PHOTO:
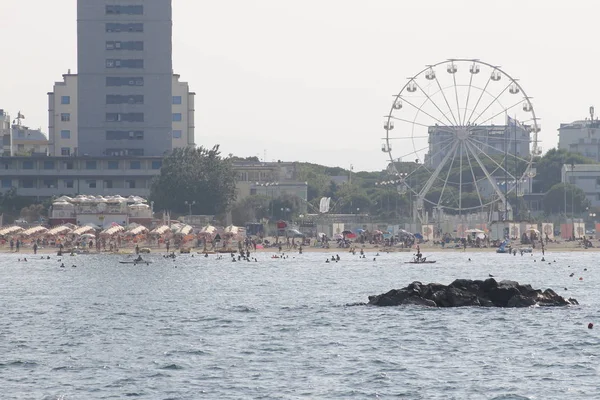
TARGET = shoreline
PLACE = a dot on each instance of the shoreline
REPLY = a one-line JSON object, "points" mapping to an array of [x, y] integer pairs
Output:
{"points": [[425, 248]]}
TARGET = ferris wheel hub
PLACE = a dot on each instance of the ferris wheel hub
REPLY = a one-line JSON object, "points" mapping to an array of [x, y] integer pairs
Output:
{"points": [[462, 133]]}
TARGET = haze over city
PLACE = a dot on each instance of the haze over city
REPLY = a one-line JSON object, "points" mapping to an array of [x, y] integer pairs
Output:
{"points": [[311, 82]]}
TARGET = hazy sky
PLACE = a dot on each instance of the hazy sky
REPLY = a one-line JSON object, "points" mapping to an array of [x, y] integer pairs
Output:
{"points": [[312, 80]]}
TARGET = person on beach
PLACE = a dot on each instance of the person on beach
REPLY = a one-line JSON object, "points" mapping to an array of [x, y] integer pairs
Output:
{"points": [[35, 248]]}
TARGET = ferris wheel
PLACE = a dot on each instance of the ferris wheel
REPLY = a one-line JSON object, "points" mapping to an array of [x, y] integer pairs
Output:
{"points": [[461, 136]]}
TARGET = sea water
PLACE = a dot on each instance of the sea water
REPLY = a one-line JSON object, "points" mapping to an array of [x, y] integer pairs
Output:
{"points": [[203, 328]]}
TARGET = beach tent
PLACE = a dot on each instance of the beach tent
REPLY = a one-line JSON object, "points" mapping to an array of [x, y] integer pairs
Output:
{"points": [[10, 230], [113, 230], [59, 230], [82, 230], [36, 230]]}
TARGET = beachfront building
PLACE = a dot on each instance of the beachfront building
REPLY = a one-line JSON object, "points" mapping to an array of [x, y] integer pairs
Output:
{"points": [[270, 179], [20, 140], [63, 117], [44, 177], [581, 137], [5, 133], [587, 178], [100, 211]]}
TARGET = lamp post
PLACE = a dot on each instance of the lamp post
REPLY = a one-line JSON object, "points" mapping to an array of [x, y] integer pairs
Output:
{"points": [[190, 204]]}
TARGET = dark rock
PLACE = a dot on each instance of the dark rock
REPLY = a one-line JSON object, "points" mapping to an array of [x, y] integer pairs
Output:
{"points": [[419, 301], [520, 301], [466, 292]]}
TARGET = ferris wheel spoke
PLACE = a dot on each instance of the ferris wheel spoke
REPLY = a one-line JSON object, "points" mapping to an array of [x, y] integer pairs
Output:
{"points": [[446, 100], [435, 173], [473, 174], [479, 99], [447, 179], [491, 103], [435, 105], [492, 147], [419, 109], [460, 177], [488, 176], [467, 102], [448, 142], [457, 103], [497, 164], [494, 116], [408, 122]]}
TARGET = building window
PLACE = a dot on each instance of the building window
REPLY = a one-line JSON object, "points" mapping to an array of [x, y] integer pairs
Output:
{"points": [[131, 27], [65, 134], [126, 63], [50, 183], [176, 134], [90, 165], [128, 10], [130, 45], [124, 135], [108, 184], [124, 81], [124, 99], [65, 117], [156, 164], [125, 117], [176, 117], [6, 183], [65, 100], [27, 183], [135, 165], [130, 184], [124, 152], [113, 165], [65, 151], [48, 164], [69, 183], [176, 99], [27, 164], [69, 165], [91, 184]]}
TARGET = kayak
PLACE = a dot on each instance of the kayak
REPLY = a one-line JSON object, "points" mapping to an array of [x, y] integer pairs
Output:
{"points": [[135, 262], [420, 262]]}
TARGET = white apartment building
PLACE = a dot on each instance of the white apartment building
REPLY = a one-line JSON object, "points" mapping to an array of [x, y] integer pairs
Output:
{"points": [[586, 177], [5, 133], [581, 137], [63, 117]]}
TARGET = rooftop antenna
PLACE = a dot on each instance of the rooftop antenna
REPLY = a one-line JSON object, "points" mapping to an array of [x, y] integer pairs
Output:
{"points": [[591, 113], [591, 126]]}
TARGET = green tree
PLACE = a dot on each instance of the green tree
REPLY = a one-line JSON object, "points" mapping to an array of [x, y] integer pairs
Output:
{"points": [[554, 199], [549, 168], [250, 209], [195, 174]]}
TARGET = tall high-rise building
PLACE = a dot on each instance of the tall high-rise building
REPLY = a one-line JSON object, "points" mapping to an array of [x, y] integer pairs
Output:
{"points": [[125, 77]]}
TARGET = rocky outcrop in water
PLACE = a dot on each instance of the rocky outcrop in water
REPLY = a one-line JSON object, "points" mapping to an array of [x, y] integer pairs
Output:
{"points": [[466, 292]]}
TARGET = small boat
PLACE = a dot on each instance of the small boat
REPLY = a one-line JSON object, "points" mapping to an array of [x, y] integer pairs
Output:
{"points": [[136, 262], [420, 262]]}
